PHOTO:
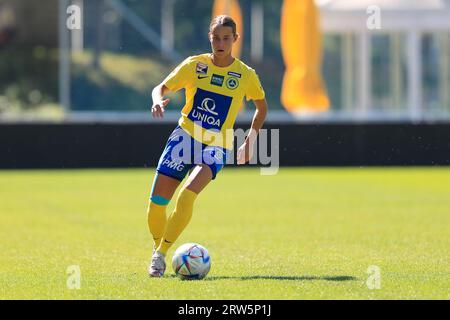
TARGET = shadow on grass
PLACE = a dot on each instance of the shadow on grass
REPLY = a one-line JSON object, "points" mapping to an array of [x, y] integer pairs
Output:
{"points": [[290, 278], [284, 278]]}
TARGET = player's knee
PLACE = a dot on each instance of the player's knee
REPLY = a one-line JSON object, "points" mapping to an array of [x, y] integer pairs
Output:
{"points": [[159, 200], [186, 198]]}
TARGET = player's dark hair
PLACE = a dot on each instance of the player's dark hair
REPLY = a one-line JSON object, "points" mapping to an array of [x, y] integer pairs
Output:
{"points": [[224, 21]]}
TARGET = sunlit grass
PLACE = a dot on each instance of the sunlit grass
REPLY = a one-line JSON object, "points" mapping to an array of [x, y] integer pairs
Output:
{"points": [[301, 234]]}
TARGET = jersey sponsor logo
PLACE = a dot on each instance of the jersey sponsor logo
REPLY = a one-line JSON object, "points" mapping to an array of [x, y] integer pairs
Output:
{"points": [[210, 109], [201, 68], [217, 80], [232, 83], [202, 77], [234, 74], [208, 105]]}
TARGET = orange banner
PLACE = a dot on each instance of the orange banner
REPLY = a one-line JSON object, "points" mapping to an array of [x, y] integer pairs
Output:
{"points": [[301, 45]]}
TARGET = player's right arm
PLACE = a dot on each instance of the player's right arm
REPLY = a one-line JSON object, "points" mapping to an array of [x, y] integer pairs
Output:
{"points": [[159, 102], [176, 80]]}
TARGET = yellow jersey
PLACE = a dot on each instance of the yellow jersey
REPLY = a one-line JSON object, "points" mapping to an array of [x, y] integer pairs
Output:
{"points": [[213, 97]]}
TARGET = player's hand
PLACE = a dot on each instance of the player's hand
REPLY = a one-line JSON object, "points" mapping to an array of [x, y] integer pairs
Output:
{"points": [[245, 153], [158, 108]]}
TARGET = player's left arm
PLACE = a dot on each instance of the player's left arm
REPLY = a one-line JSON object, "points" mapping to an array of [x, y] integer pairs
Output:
{"points": [[245, 152]]}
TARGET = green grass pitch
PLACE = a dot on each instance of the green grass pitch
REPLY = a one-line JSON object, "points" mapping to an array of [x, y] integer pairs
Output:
{"points": [[305, 233]]}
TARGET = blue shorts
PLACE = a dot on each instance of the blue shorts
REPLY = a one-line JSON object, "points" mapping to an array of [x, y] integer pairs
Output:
{"points": [[182, 153]]}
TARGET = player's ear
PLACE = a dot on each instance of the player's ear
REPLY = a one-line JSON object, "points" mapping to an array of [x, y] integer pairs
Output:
{"points": [[209, 36], [236, 37]]}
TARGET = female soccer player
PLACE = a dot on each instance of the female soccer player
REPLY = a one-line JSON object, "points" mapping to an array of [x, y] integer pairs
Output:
{"points": [[215, 86]]}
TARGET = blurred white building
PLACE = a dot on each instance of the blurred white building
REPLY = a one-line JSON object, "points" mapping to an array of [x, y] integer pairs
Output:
{"points": [[387, 59]]}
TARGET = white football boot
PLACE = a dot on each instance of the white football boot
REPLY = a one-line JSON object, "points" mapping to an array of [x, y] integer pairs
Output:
{"points": [[158, 265]]}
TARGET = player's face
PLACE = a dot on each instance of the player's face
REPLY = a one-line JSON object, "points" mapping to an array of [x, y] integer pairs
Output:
{"points": [[222, 40]]}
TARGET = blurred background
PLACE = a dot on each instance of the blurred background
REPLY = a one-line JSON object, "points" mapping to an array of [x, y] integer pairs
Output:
{"points": [[348, 82], [398, 70]]}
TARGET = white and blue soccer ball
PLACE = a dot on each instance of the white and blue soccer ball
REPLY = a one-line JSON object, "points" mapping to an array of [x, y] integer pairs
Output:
{"points": [[191, 261]]}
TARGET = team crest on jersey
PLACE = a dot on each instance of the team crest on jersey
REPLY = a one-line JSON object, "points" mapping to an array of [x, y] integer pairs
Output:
{"points": [[201, 68], [232, 83]]}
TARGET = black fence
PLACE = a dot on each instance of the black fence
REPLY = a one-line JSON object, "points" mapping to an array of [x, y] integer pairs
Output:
{"points": [[140, 145]]}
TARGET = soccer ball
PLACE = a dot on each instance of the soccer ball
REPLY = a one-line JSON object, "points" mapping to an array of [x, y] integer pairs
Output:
{"points": [[191, 261]]}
